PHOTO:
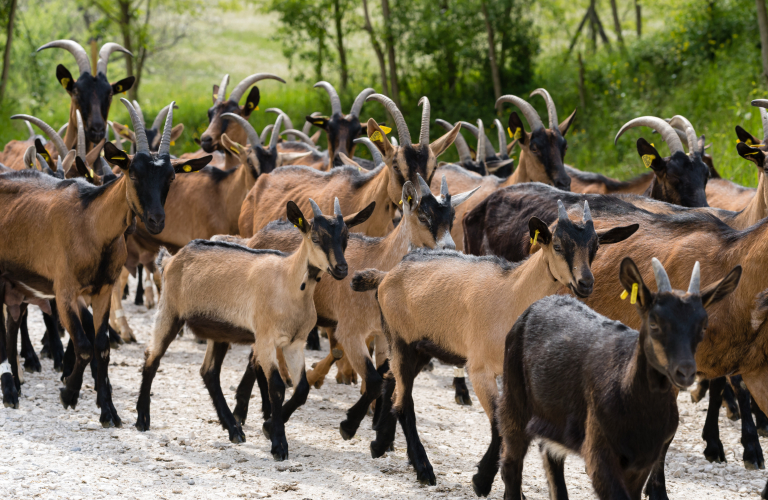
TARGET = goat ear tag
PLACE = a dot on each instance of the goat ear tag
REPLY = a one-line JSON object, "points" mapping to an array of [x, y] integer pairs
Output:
{"points": [[250, 105], [64, 82], [535, 237], [236, 151], [748, 142], [119, 89], [384, 129], [173, 143], [624, 295], [648, 160], [301, 223], [118, 158], [376, 136], [633, 299], [517, 135], [187, 168]]}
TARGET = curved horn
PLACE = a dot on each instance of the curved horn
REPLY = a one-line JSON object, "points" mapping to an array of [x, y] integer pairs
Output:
{"points": [[290, 132], [423, 186], [286, 120], [375, 153], [29, 157], [52, 135], [62, 130], [75, 49], [80, 136], [480, 142], [43, 164], [250, 132], [265, 132], [357, 106], [662, 280], [139, 112], [118, 139], [106, 51], [762, 104], [160, 118], [530, 114], [246, 82], [30, 130], [424, 130], [444, 188], [587, 213], [562, 215], [502, 137], [551, 109], [681, 122], [403, 133], [221, 94], [308, 126], [694, 288], [332, 95], [165, 142], [315, 209], [138, 127], [336, 208], [275, 132], [461, 144], [668, 134]]}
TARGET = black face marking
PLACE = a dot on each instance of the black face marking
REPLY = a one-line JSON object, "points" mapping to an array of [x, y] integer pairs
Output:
{"points": [[436, 216], [683, 181], [549, 149], [94, 97], [416, 162], [332, 236], [267, 159], [151, 176], [341, 134], [571, 237]]}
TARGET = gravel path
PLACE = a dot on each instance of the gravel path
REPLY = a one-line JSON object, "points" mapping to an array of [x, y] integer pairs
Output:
{"points": [[57, 453]]}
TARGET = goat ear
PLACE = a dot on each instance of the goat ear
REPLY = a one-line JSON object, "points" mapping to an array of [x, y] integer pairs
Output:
{"points": [[296, 217], [379, 138], [440, 145], [67, 161], [563, 127], [348, 161], [116, 156], [93, 155], [753, 154], [65, 78], [123, 85], [629, 275], [410, 198], [617, 234], [716, 292], [651, 158], [544, 236], [176, 132], [316, 136], [746, 137], [81, 168], [40, 149], [252, 102], [318, 121], [124, 131], [215, 93], [516, 130], [191, 165], [361, 216], [233, 147]]}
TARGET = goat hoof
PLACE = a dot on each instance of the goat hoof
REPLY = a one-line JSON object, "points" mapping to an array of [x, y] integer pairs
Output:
{"points": [[753, 459], [428, 367], [426, 477], [280, 455], [346, 432], [377, 450], [10, 393], [463, 400], [717, 455], [32, 364], [482, 488], [266, 428], [319, 384], [762, 431], [107, 424], [68, 398], [142, 421], [239, 418], [237, 437]]}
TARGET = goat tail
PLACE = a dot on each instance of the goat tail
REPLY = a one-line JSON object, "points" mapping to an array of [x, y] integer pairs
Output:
{"points": [[162, 259], [367, 279]]}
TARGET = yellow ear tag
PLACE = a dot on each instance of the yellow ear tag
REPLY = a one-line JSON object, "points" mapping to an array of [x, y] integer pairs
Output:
{"points": [[216, 96], [119, 89], [648, 160], [376, 136], [748, 142], [624, 295], [409, 199], [509, 131], [173, 143], [633, 299], [301, 222], [90, 171], [118, 158], [187, 168], [250, 105], [359, 169], [384, 129], [535, 237], [752, 153], [64, 82], [518, 133], [401, 202], [256, 108], [237, 152]]}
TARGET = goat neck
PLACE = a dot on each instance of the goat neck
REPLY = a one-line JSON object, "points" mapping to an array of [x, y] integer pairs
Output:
{"points": [[113, 214]]}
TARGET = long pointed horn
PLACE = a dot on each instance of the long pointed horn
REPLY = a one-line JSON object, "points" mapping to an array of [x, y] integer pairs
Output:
{"points": [[694, 288], [80, 136], [142, 146], [461, 144], [118, 139], [246, 83], [668, 134], [424, 130], [587, 213], [292, 132], [286, 120], [43, 164], [77, 50], [49, 132], [762, 104], [275, 132], [315, 209], [165, 142], [502, 137], [332, 95], [681, 122], [139, 112], [265, 132], [250, 132], [30, 130], [62, 129], [551, 109], [29, 157], [402, 128], [160, 118], [423, 186], [106, 50], [562, 215], [375, 153], [474, 130], [481, 153], [221, 94], [662, 280], [336, 207], [308, 126], [530, 114], [357, 106], [444, 188]]}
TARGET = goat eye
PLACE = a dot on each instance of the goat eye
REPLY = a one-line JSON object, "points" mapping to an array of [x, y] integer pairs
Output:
{"points": [[558, 248], [534, 149]]}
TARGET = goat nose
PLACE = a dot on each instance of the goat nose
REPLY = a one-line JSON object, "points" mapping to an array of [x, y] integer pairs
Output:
{"points": [[685, 373], [586, 282], [341, 270], [155, 222]]}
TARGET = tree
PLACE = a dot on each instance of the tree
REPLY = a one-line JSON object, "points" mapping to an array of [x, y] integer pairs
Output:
{"points": [[492, 52], [368, 27], [7, 51], [389, 41], [338, 14], [762, 23], [616, 22]]}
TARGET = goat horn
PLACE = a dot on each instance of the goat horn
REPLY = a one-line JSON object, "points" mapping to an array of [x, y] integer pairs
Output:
{"points": [[424, 130], [681, 122], [375, 153], [142, 146], [315, 209], [357, 106], [476, 132], [80, 136], [444, 187], [106, 51], [165, 142], [404, 135], [62, 129], [336, 208], [587, 213], [530, 114], [250, 132], [139, 112], [43, 164], [52, 135], [104, 166], [276, 132], [265, 132], [694, 288], [286, 120], [308, 126], [762, 104], [481, 152], [551, 109], [246, 82], [562, 215], [502, 137], [461, 144], [221, 94], [668, 134], [30, 130], [160, 118], [662, 280], [77, 50], [292, 132], [29, 157], [332, 95], [118, 139], [423, 186]]}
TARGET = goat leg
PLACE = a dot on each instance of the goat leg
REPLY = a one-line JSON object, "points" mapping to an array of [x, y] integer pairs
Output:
{"points": [[313, 340], [211, 373], [83, 352], [52, 328], [266, 406], [386, 425], [274, 428], [603, 466], [100, 323], [753, 453], [656, 487], [374, 384], [761, 420], [316, 376], [244, 391], [729, 403], [10, 393], [86, 319], [31, 361], [514, 450], [12, 331], [139, 300], [489, 465], [711, 433], [460, 384]]}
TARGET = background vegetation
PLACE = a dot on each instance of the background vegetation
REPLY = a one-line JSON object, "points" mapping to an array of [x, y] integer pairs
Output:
{"points": [[699, 58]]}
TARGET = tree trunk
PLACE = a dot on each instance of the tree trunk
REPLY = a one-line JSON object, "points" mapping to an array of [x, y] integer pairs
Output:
{"points": [[492, 53], [125, 30], [504, 37], [319, 62], [390, 42], [638, 19], [377, 49], [7, 52], [141, 58], [616, 22], [337, 14], [762, 22], [582, 98]]}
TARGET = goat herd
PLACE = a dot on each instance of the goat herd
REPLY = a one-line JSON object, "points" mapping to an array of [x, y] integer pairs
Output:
{"points": [[505, 268]]}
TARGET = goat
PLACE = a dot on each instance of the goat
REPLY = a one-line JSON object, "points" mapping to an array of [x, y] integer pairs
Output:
{"points": [[210, 140], [458, 308], [91, 93], [588, 385], [153, 133], [356, 187], [90, 249], [204, 283]]}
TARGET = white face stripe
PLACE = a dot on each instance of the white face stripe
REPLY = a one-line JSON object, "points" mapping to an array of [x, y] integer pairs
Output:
{"points": [[446, 241]]}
